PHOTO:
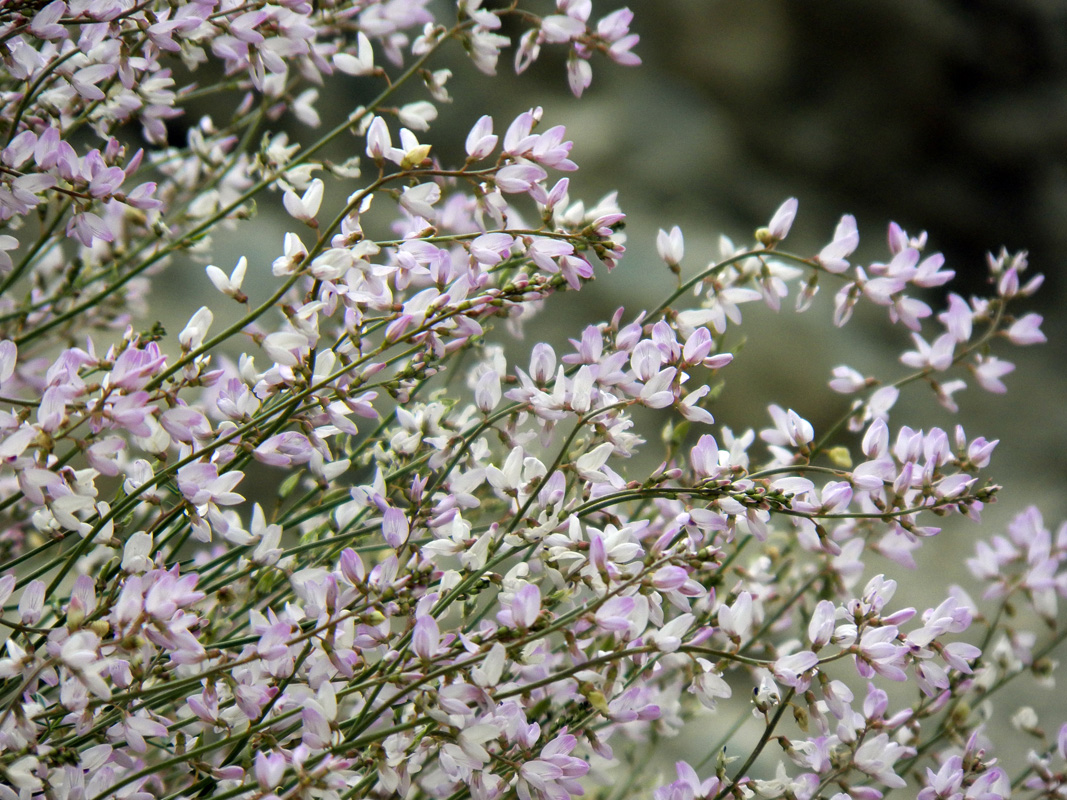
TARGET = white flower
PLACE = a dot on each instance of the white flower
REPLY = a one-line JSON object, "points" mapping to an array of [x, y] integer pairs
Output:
{"points": [[304, 108], [778, 228], [283, 347], [22, 774], [230, 285], [6, 243], [671, 246], [419, 200], [137, 554], [669, 638], [411, 152], [193, 334], [709, 686], [295, 252], [418, 116], [304, 208], [360, 64]]}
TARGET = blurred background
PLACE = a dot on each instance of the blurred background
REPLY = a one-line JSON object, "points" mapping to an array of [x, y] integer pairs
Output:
{"points": [[945, 116], [949, 117]]}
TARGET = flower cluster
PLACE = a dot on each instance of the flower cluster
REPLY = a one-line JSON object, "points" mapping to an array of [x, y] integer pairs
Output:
{"points": [[342, 547]]}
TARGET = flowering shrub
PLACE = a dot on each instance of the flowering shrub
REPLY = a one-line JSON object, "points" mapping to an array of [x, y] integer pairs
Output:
{"points": [[451, 583]]}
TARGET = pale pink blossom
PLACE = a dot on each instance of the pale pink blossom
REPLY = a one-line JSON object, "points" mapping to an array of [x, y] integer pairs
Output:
{"points": [[1027, 330], [989, 370], [780, 224], [671, 246]]}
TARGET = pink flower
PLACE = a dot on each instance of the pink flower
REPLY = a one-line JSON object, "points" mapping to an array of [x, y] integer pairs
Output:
{"points": [[877, 755], [988, 370], [200, 483], [688, 786], [551, 150], [395, 527], [523, 609], [518, 139], [878, 652], [185, 424], [269, 769], [518, 178], [558, 28], [284, 450], [847, 380], [426, 638], [135, 729], [615, 28], [790, 429], [821, 624], [554, 774], [1026, 330], [481, 141], [790, 669], [614, 614], [45, 23], [778, 228], [134, 367], [31, 604], [958, 318], [579, 73], [928, 273], [834, 256], [937, 356]]}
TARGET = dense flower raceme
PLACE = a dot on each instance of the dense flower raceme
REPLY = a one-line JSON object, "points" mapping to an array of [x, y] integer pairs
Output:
{"points": [[456, 586]]}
